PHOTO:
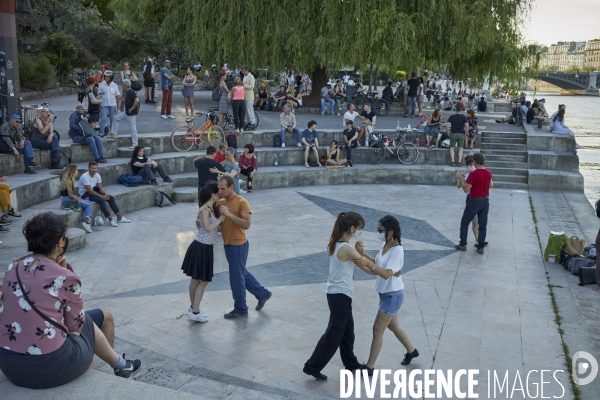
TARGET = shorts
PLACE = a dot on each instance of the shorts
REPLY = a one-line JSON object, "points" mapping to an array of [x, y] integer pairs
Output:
{"points": [[390, 302], [457, 139]]}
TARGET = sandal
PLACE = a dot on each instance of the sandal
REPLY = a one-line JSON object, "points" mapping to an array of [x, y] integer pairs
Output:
{"points": [[13, 213]]}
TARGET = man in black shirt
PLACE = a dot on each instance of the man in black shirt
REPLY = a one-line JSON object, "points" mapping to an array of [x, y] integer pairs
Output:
{"points": [[411, 101], [204, 164], [457, 128], [388, 93], [369, 119], [131, 110]]}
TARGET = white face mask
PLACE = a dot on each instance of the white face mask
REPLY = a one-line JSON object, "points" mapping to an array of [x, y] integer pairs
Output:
{"points": [[356, 233], [381, 236], [471, 168]]}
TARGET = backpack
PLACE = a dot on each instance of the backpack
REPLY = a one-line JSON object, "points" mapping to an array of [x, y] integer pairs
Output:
{"points": [[161, 199], [590, 251], [587, 275], [130, 180], [64, 159], [577, 262], [232, 140], [277, 140], [216, 94], [136, 85]]}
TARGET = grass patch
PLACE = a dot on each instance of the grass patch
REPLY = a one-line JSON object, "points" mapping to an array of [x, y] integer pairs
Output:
{"points": [[557, 316]]}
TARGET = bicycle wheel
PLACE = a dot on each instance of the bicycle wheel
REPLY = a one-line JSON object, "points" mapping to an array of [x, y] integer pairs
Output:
{"points": [[182, 138], [375, 152], [358, 102], [215, 135], [257, 120], [408, 153], [381, 107]]}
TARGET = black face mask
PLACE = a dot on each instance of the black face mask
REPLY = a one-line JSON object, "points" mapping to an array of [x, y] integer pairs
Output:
{"points": [[65, 247]]}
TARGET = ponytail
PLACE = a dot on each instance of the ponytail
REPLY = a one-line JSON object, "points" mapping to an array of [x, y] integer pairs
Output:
{"points": [[343, 223]]}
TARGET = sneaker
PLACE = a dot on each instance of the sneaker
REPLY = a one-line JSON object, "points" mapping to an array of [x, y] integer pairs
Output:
{"points": [[317, 375], [5, 221], [154, 182], [282, 144], [113, 136], [34, 164], [87, 227], [4, 229], [164, 117], [99, 221], [234, 315], [29, 171], [197, 317], [113, 222], [100, 160], [190, 310], [130, 369], [261, 304], [170, 116], [480, 251], [409, 356], [168, 180], [366, 143], [124, 220], [242, 191], [299, 144], [241, 181], [461, 248]]}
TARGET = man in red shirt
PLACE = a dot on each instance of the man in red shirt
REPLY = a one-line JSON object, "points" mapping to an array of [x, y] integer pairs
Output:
{"points": [[478, 185]]}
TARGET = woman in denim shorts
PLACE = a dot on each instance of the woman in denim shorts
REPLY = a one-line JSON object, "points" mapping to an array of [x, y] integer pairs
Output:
{"points": [[391, 290]]}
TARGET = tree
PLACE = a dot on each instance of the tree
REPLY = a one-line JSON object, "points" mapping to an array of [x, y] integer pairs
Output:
{"points": [[476, 39], [65, 52]]}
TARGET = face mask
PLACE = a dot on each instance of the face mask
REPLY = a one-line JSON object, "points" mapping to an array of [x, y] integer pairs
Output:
{"points": [[471, 168], [381, 236], [356, 234], [141, 158]]}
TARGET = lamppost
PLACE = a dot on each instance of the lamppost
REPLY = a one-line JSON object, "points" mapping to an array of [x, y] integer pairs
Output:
{"points": [[10, 102]]}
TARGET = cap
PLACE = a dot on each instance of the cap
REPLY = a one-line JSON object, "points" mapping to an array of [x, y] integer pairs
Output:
{"points": [[167, 61], [262, 85], [80, 106], [348, 122], [16, 116]]}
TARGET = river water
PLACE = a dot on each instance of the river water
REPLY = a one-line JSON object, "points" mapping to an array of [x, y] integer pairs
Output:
{"points": [[583, 118]]}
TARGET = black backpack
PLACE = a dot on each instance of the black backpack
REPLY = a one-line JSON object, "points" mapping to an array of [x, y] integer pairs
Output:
{"points": [[276, 141], [136, 85], [216, 94], [161, 199], [64, 159], [232, 140]]}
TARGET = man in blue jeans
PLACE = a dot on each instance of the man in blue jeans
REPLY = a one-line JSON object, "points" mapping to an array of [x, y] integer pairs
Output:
{"points": [[411, 99], [325, 98], [13, 142], [477, 185], [237, 219], [76, 134]]}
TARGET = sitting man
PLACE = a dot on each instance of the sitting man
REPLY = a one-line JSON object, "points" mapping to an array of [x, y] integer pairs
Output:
{"points": [[43, 137], [534, 116], [369, 119], [76, 134], [280, 97], [146, 168], [90, 187], [325, 93], [388, 93], [13, 142], [351, 115], [310, 141], [288, 124]]}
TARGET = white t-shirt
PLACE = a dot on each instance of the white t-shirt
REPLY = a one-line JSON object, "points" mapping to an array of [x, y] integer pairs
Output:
{"points": [[109, 93], [346, 77], [350, 116], [394, 260], [86, 179]]}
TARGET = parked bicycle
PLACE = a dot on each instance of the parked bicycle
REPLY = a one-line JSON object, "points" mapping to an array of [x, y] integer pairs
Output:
{"points": [[407, 153], [378, 106], [213, 116], [184, 137]]}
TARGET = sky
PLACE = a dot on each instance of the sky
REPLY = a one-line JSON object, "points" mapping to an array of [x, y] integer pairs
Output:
{"points": [[554, 21]]}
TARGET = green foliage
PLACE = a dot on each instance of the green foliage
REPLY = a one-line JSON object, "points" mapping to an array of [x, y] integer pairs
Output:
{"points": [[400, 75], [65, 53], [35, 73]]}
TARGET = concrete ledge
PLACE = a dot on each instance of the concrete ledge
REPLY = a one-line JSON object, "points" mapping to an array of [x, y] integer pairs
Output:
{"points": [[552, 160], [544, 141], [555, 180], [97, 386]]}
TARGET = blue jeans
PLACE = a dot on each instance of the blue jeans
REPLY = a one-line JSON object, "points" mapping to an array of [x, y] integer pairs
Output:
{"points": [[331, 107], [43, 145], [349, 146], [479, 207], [86, 206], [94, 142], [390, 302], [533, 122], [411, 101], [284, 130], [240, 279], [27, 151], [111, 111], [102, 203]]}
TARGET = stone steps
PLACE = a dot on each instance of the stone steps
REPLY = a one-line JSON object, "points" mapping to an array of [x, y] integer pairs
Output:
{"points": [[497, 145], [505, 164], [126, 152], [510, 185], [510, 158], [503, 140], [508, 171], [510, 178], [507, 135]]}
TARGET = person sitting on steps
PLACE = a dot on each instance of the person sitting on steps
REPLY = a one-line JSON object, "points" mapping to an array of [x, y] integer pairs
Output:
{"points": [[146, 168], [76, 134], [67, 185], [287, 120], [6, 209], [333, 156], [43, 137], [310, 141], [13, 142], [90, 186]]}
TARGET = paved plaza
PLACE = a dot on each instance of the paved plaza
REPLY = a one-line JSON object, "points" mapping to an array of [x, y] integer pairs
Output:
{"points": [[461, 310]]}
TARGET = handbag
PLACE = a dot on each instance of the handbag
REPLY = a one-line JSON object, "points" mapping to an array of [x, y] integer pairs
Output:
{"points": [[575, 245], [33, 307], [70, 205], [86, 129]]}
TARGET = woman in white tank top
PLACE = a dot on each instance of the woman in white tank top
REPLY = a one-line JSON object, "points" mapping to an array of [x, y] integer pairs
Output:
{"points": [[340, 291]]}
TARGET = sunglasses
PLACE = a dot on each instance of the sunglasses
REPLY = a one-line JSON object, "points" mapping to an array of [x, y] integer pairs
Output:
{"points": [[380, 230]]}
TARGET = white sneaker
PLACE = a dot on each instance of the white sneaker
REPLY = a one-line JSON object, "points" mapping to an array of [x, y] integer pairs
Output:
{"points": [[124, 220], [201, 312], [242, 191], [164, 116], [99, 221], [282, 144], [87, 227], [299, 145], [113, 222], [170, 116], [241, 181], [197, 317]]}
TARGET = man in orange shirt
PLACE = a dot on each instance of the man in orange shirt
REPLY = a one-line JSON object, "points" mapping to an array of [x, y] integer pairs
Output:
{"points": [[238, 217]]}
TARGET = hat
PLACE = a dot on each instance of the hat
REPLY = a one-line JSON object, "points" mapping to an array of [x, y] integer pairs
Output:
{"points": [[348, 122], [167, 61], [80, 106], [262, 85], [16, 116]]}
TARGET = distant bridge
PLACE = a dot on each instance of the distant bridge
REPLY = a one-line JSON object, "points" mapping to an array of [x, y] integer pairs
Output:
{"points": [[568, 81]]}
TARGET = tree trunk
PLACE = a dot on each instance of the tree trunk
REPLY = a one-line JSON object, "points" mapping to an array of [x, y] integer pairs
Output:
{"points": [[376, 75], [319, 80], [370, 76]]}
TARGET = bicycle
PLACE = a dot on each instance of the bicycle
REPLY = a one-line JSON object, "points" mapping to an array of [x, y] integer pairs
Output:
{"points": [[185, 136], [213, 116], [378, 106], [407, 153]]}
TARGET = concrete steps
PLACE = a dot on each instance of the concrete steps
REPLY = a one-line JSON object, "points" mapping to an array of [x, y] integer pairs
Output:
{"points": [[503, 140], [499, 145], [504, 164], [126, 152], [508, 171], [506, 155]]}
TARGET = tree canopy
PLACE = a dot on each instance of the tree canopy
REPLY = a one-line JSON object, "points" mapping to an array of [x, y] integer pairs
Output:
{"points": [[476, 39]]}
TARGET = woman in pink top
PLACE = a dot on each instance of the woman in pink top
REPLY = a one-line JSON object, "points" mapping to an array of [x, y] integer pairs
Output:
{"points": [[46, 338], [238, 104], [248, 164]]}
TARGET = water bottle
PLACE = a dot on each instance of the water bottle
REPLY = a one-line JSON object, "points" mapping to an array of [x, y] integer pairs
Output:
{"points": [[398, 125], [275, 162]]}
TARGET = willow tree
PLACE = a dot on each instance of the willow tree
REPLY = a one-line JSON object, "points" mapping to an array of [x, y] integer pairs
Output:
{"points": [[473, 38]]}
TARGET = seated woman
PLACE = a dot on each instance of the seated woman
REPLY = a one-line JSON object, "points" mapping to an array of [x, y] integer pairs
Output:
{"points": [[248, 164], [533, 116], [431, 129], [333, 156], [557, 124], [294, 101], [280, 97], [232, 169], [67, 195], [146, 168], [447, 104], [5, 208], [49, 340], [262, 96]]}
